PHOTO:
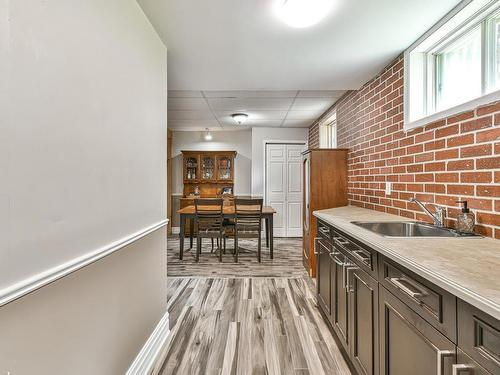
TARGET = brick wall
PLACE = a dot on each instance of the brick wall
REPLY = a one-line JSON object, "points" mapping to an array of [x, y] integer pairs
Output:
{"points": [[456, 158]]}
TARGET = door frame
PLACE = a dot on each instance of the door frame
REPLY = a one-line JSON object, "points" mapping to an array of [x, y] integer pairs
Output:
{"points": [[264, 159]]}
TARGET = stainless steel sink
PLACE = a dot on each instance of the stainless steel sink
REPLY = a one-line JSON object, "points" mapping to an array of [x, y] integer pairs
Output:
{"points": [[405, 229]]}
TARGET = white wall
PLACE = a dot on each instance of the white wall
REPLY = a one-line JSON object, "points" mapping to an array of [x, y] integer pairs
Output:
{"points": [[259, 135], [239, 141], [82, 164]]}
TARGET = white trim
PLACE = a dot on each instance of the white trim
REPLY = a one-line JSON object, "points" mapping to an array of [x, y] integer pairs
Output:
{"points": [[470, 105], [176, 230], [177, 194], [147, 358], [35, 282]]}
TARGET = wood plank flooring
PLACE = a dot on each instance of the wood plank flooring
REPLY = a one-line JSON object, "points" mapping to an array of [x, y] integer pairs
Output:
{"points": [[249, 325], [287, 260]]}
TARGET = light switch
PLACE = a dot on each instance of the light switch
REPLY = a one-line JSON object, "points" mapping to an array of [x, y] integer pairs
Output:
{"points": [[388, 188]]}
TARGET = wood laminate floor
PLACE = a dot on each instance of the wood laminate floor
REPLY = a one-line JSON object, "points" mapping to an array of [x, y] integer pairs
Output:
{"points": [[287, 260], [246, 318]]}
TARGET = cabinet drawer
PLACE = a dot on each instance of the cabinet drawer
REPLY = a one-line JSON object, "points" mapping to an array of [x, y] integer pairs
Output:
{"points": [[467, 366], [361, 255], [479, 336], [324, 231], [432, 303]]}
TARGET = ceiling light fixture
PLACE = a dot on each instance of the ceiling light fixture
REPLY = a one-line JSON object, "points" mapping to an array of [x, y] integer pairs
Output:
{"points": [[240, 118], [302, 13], [208, 135]]}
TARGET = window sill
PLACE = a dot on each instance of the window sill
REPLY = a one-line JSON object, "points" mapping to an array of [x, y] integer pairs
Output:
{"points": [[467, 106]]}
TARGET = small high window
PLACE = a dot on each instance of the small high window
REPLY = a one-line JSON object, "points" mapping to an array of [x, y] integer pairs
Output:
{"points": [[455, 66], [328, 132]]}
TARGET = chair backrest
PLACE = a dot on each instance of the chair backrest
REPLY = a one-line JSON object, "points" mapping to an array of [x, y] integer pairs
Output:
{"points": [[208, 213], [248, 212]]}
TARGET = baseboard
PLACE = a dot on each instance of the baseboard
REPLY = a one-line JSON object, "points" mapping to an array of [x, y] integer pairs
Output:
{"points": [[144, 363], [176, 230]]}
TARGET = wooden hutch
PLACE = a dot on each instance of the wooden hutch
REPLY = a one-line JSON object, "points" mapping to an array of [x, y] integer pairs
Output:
{"points": [[207, 174]]}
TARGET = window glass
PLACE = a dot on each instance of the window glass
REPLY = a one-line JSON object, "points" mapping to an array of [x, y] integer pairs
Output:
{"points": [[497, 53], [459, 71]]}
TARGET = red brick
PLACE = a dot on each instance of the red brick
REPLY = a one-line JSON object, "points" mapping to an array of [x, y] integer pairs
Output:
{"points": [[460, 140], [461, 117], [424, 177], [480, 123], [446, 200], [472, 151], [488, 219], [488, 191], [434, 145], [488, 135], [486, 110], [446, 154], [479, 204], [460, 189], [435, 188], [447, 177], [432, 167], [424, 137], [428, 156], [488, 163], [476, 177], [460, 165], [447, 131]]}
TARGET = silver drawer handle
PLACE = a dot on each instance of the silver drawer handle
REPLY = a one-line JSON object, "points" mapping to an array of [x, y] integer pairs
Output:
{"points": [[397, 282], [348, 283], [441, 354], [341, 241], [333, 257], [359, 254], [458, 369]]}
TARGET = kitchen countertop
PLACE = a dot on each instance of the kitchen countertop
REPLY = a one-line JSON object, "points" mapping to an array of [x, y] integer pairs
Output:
{"points": [[469, 268]]}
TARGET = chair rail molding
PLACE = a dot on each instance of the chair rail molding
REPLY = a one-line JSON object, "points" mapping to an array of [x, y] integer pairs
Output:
{"points": [[29, 285]]}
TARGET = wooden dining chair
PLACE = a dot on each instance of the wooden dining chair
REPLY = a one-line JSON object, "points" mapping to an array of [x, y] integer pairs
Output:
{"points": [[208, 218], [248, 222]]}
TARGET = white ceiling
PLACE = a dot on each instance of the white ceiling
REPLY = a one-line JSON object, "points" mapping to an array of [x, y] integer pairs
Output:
{"points": [[197, 110], [217, 46]]}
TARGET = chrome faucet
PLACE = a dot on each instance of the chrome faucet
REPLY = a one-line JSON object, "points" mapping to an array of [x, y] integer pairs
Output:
{"points": [[438, 217]]}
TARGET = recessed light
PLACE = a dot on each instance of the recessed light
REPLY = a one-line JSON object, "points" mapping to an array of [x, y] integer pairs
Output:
{"points": [[302, 13], [240, 118]]}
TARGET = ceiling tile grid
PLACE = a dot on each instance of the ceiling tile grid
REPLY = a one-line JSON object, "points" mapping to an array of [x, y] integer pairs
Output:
{"points": [[197, 110]]}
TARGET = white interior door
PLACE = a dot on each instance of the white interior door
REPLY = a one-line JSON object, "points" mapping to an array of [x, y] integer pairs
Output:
{"points": [[284, 187]]}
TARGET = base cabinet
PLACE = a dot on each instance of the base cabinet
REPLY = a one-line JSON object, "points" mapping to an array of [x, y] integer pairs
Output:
{"points": [[467, 366], [408, 344]]}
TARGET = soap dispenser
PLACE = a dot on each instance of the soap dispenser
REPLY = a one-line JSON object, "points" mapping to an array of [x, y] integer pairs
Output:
{"points": [[465, 219]]}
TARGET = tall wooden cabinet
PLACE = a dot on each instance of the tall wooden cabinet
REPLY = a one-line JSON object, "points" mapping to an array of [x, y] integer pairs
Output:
{"points": [[325, 186]]}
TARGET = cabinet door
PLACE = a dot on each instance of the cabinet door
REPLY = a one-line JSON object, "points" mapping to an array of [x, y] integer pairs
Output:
{"points": [[340, 306], [225, 168], [323, 276], [191, 168], [207, 167], [363, 310], [408, 344]]}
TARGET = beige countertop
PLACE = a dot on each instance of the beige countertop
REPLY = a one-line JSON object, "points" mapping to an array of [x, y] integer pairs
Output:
{"points": [[469, 268]]}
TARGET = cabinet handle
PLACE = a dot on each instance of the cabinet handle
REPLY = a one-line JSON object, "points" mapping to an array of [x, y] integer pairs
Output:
{"points": [[348, 283], [441, 354], [397, 282], [333, 256], [458, 369], [366, 259], [324, 230]]}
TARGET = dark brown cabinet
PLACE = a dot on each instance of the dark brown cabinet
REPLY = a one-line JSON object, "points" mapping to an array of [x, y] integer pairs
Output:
{"points": [[408, 344], [391, 321], [363, 306]]}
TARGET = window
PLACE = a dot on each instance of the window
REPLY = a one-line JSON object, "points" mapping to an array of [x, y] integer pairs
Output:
{"points": [[455, 66], [328, 132]]}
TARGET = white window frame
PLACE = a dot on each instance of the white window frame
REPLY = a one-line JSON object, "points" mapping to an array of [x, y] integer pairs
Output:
{"points": [[420, 68], [328, 132]]}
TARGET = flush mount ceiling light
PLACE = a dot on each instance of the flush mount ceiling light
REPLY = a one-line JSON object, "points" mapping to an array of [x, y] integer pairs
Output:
{"points": [[302, 13], [240, 118], [208, 135]]}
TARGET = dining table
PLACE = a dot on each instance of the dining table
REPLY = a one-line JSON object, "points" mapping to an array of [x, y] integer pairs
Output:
{"points": [[228, 212]]}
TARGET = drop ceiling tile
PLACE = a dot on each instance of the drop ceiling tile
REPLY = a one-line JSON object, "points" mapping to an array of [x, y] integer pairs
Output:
{"points": [[249, 104], [184, 94], [304, 115], [310, 104], [250, 94], [321, 93], [297, 123], [253, 123], [191, 124], [190, 115], [187, 104], [254, 115]]}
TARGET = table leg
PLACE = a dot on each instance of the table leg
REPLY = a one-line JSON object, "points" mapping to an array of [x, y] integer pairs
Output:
{"points": [[266, 224], [181, 238], [271, 234], [191, 231]]}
